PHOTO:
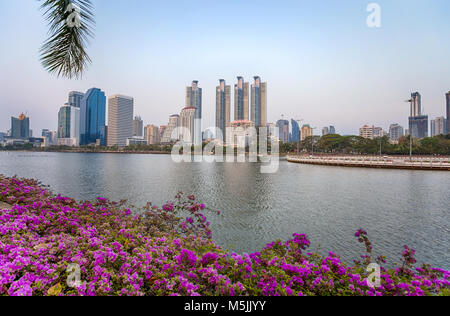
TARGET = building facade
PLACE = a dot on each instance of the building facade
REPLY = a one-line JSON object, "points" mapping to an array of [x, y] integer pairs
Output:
{"points": [[396, 132], [194, 100], [241, 100], [447, 98], [152, 135], [223, 108], [93, 118], [20, 127], [187, 120], [171, 133], [259, 103], [68, 126], [120, 120], [75, 98], [418, 123], [283, 130], [307, 131], [296, 134], [438, 126], [138, 127]]}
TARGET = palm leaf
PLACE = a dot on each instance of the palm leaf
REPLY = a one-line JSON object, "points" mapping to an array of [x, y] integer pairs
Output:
{"points": [[64, 52]]}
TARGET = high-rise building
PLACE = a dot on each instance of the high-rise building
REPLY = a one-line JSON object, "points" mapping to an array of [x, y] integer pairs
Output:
{"points": [[187, 119], [194, 99], [162, 130], [223, 108], [447, 97], [416, 104], [418, 126], [138, 127], [307, 131], [325, 131], [75, 98], [366, 132], [295, 132], [50, 137], [68, 132], [283, 130], [332, 130], [120, 120], [438, 126], [241, 100], [259, 102], [152, 135], [174, 122], [418, 123], [20, 127], [93, 117], [395, 132]]}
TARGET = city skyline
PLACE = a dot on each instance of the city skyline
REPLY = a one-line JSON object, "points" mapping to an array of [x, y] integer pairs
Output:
{"points": [[322, 61]]}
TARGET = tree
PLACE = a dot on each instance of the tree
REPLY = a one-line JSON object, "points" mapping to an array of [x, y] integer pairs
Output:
{"points": [[70, 27]]}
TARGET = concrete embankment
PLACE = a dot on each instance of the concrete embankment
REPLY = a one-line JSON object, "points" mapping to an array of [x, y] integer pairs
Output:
{"points": [[387, 162]]}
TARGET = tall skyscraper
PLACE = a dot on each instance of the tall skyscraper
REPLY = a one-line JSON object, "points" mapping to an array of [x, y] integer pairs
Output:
{"points": [[295, 131], [75, 98], [174, 122], [418, 123], [416, 104], [93, 117], [447, 97], [187, 119], [194, 99], [20, 127], [259, 102], [283, 130], [138, 127], [120, 120], [68, 132], [223, 108], [241, 100]]}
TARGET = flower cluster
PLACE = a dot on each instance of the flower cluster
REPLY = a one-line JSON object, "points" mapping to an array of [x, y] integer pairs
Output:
{"points": [[168, 251]]}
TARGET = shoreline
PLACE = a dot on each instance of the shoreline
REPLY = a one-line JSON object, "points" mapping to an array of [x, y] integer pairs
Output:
{"points": [[424, 163]]}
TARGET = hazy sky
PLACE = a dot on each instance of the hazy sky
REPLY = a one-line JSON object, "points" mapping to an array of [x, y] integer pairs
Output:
{"points": [[320, 60]]}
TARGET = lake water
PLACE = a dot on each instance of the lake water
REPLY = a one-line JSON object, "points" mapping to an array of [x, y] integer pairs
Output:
{"points": [[329, 204]]}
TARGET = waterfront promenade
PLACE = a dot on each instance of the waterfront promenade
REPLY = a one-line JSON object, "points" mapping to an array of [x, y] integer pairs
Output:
{"points": [[387, 162]]}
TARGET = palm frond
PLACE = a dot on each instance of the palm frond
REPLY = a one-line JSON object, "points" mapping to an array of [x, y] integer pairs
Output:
{"points": [[64, 52]]}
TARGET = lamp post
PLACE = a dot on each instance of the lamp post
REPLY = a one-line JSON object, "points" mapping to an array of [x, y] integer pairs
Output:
{"points": [[312, 140]]}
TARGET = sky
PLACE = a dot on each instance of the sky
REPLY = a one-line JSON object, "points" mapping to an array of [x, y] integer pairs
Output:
{"points": [[321, 61]]}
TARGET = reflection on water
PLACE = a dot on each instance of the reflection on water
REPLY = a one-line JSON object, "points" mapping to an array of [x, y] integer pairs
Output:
{"points": [[328, 203]]}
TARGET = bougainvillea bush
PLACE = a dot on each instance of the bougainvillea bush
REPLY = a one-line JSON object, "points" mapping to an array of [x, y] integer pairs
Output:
{"points": [[169, 251]]}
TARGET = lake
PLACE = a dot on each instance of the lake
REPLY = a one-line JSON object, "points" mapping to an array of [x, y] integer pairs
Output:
{"points": [[396, 207]]}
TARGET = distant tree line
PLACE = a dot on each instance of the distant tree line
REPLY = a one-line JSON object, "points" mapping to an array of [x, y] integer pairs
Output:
{"points": [[337, 144]]}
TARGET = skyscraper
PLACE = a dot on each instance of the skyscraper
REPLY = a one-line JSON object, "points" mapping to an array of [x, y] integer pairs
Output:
{"points": [[241, 100], [187, 119], [447, 97], [68, 132], [283, 128], [295, 131], [259, 102], [138, 127], [418, 123], [120, 120], [93, 117], [152, 135], [223, 108], [75, 98], [194, 99], [174, 122], [20, 127]]}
